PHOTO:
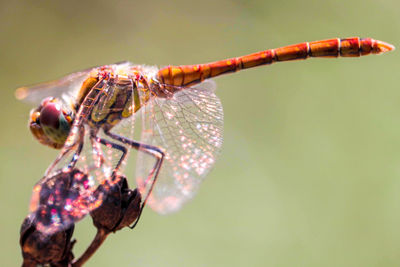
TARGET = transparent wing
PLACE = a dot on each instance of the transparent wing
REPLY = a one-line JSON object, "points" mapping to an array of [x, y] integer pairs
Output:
{"points": [[189, 128], [71, 188], [67, 85]]}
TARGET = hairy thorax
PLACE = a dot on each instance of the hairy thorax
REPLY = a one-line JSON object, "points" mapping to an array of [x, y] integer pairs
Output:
{"points": [[125, 91]]}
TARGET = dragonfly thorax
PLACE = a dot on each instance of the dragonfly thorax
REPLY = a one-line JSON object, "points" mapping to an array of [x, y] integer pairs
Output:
{"points": [[115, 97]]}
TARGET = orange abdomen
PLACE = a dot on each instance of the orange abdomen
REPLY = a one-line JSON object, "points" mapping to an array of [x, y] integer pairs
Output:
{"points": [[351, 47]]}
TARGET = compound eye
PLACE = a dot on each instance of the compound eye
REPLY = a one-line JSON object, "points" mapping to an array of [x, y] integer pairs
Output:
{"points": [[50, 115], [46, 101], [50, 123]]}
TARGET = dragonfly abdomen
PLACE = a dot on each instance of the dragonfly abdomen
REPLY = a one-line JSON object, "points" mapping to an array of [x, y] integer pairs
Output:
{"points": [[351, 47]]}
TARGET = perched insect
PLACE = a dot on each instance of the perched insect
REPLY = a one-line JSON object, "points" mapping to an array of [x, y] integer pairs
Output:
{"points": [[90, 114]]}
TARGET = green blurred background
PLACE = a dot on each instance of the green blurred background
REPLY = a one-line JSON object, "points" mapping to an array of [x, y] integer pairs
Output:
{"points": [[310, 169]]}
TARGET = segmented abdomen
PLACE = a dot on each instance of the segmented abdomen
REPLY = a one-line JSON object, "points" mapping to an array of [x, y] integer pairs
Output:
{"points": [[351, 47]]}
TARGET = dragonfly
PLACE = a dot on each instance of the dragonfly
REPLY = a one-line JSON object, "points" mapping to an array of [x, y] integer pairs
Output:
{"points": [[90, 117]]}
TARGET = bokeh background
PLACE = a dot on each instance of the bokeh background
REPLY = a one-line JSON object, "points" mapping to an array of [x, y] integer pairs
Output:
{"points": [[310, 169]]}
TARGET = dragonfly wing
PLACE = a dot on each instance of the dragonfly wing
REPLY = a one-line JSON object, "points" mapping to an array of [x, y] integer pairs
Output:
{"points": [[189, 128], [78, 180], [66, 86], [66, 194]]}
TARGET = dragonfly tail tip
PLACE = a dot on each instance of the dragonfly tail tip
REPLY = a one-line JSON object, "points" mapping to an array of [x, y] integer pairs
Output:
{"points": [[382, 47]]}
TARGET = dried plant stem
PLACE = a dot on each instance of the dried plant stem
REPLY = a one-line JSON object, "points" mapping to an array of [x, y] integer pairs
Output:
{"points": [[101, 235], [28, 263]]}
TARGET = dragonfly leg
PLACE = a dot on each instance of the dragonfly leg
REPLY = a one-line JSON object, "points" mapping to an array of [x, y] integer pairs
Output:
{"points": [[98, 153], [77, 131], [156, 152], [65, 150], [96, 140], [75, 157]]}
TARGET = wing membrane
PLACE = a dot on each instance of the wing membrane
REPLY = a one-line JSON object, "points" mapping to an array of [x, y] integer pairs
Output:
{"points": [[189, 128], [57, 88], [71, 189]]}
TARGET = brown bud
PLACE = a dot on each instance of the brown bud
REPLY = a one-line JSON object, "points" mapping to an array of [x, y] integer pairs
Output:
{"points": [[120, 207], [40, 248]]}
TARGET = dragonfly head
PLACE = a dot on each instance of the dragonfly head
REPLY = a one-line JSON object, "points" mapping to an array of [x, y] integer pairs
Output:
{"points": [[50, 123]]}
